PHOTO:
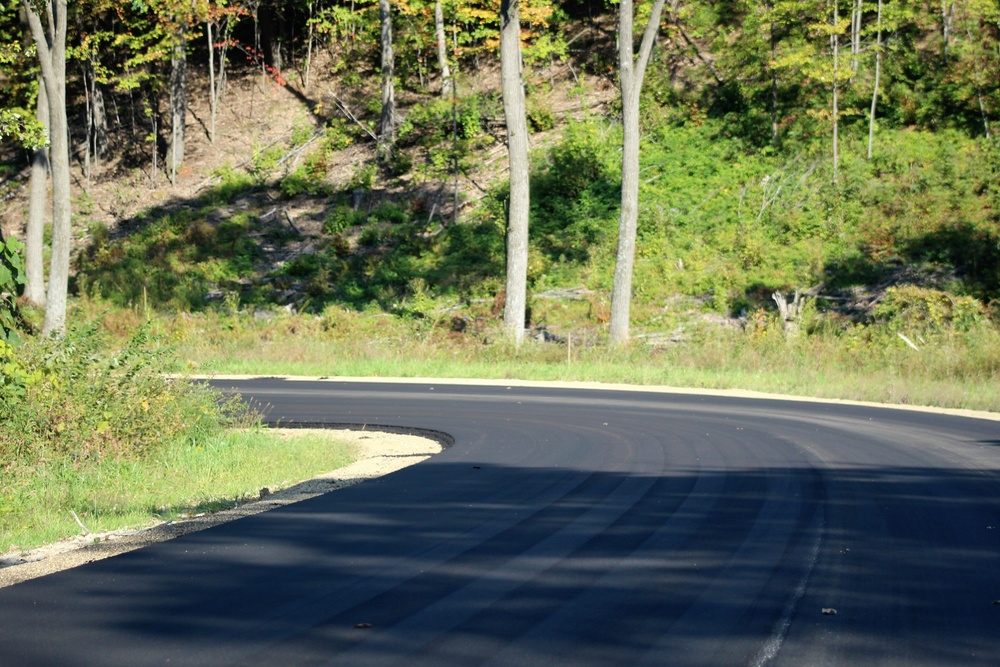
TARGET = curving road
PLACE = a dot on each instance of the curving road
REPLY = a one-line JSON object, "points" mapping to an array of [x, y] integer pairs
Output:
{"points": [[571, 527]]}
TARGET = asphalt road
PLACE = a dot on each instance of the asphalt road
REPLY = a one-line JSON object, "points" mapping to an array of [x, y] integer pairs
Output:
{"points": [[571, 527]]}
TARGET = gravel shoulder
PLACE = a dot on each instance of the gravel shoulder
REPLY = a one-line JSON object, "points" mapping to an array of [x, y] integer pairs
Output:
{"points": [[379, 453]]}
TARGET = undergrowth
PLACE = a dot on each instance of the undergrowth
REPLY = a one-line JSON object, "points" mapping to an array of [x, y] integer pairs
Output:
{"points": [[718, 220], [96, 433], [184, 478], [921, 348]]}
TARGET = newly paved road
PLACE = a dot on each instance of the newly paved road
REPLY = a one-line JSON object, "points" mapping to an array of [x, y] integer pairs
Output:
{"points": [[569, 527]]}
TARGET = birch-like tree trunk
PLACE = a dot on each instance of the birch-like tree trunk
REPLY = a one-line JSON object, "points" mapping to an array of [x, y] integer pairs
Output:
{"points": [[878, 71], [517, 149], [442, 49], [977, 74], [309, 49], [50, 42], [774, 75], [947, 16], [835, 39], [631, 70], [212, 106], [856, 15], [387, 123], [38, 199], [217, 77]]}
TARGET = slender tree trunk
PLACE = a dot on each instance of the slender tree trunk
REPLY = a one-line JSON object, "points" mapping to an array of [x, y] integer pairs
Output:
{"points": [[856, 14], [947, 12], [517, 145], [99, 114], [178, 106], [442, 49], [212, 107], [878, 71], [387, 123], [276, 39], [217, 81], [835, 38], [50, 42], [88, 132], [976, 73], [155, 134], [631, 70], [857, 28], [309, 50], [38, 199], [774, 77]]}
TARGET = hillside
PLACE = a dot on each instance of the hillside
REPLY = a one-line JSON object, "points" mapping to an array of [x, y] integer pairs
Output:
{"points": [[291, 208]]}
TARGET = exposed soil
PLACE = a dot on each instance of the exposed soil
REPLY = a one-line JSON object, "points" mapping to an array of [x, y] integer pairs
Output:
{"points": [[256, 114], [379, 453]]}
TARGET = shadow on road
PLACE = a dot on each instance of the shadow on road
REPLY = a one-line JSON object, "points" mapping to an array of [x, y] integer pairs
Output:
{"points": [[469, 563]]}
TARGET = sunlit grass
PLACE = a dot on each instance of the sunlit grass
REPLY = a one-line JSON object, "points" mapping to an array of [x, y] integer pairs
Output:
{"points": [[182, 478], [951, 369]]}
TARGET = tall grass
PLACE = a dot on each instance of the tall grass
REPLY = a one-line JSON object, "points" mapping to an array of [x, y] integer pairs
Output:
{"points": [[184, 477], [92, 426], [952, 368]]}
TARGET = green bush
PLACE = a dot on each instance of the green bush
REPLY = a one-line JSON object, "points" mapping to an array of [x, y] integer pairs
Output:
{"points": [[231, 184], [81, 398], [12, 277], [909, 307], [575, 195], [340, 217], [307, 179], [175, 260], [265, 160]]}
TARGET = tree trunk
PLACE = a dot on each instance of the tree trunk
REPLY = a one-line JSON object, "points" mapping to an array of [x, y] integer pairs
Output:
{"points": [[774, 77], [856, 15], [835, 38], [309, 51], [217, 79], [947, 13], [50, 43], [442, 49], [517, 146], [155, 136], [88, 132], [387, 123], [99, 113], [878, 71], [178, 106], [212, 106], [632, 69], [34, 288]]}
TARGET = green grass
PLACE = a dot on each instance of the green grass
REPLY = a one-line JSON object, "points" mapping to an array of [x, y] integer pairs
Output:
{"points": [[182, 478], [952, 369], [93, 425]]}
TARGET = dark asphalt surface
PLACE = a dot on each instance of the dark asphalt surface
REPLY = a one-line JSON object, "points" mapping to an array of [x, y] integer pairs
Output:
{"points": [[571, 527]]}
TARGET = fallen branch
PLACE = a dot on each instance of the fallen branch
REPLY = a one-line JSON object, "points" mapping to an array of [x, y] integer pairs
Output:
{"points": [[908, 341], [291, 223], [347, 112], [80, 523]]}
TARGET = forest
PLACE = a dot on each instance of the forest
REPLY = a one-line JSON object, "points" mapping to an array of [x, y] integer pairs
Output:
{"points": [[808, 171]]}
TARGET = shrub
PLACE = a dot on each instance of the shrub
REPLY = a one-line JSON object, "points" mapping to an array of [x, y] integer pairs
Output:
{"points": [[305, 180], [339, 218], [925, 309], [11, 279], [81, 398]]}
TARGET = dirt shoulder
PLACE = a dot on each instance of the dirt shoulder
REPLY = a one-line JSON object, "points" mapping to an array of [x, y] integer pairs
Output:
{"points": [[379, 453]]}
